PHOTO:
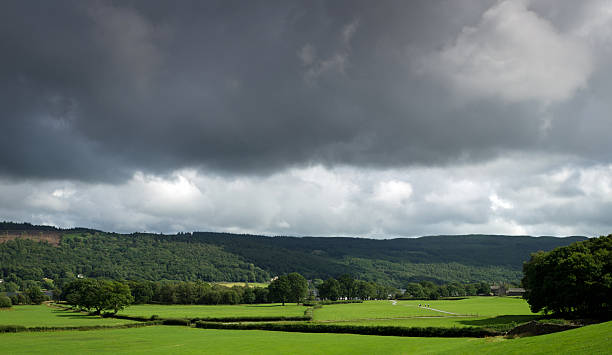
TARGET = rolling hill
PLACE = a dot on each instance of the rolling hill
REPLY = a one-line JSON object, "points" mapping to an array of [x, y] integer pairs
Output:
{"points": [[33, 252]]}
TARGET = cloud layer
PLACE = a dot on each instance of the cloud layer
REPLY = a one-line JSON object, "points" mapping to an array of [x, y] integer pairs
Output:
{"points": [[308, 117], [548, 196]]}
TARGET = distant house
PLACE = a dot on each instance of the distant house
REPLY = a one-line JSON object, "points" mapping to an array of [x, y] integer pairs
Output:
{"points": [[80, 276], [495, 290], [1, 281], [516, 291]]}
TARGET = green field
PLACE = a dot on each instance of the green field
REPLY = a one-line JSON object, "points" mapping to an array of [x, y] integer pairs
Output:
{"points": [[595, 339], [371, 310], [502, 323], [44, 316], [477, 307], [482, 306], [492, 312], [201, 311]]}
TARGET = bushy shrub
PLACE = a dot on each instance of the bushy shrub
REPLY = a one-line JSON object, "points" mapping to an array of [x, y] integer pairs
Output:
{"points": [[12, 328], [176, 321], [5, 302], [253, 319]]}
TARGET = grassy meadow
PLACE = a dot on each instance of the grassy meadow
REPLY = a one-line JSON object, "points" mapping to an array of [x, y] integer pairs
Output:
{"points": [[45, 316], [490, 311], [371, 310], [217, 311], [594, 339]]}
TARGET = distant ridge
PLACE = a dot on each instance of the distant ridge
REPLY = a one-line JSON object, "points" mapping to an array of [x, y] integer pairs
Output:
{"points": [[213, 256]]}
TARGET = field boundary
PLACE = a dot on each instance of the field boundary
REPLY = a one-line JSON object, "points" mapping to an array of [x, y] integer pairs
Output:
{"points": [[21, 328], [439, 332]]}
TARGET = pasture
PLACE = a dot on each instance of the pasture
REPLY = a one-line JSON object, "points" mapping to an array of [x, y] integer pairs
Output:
{"points": [[594, 339], [499, 313], [492, 312], [216, 311], [44, 316], [472, 306]]}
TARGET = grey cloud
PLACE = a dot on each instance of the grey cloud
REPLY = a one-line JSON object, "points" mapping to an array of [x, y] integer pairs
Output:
{"points": [[97, 91]]}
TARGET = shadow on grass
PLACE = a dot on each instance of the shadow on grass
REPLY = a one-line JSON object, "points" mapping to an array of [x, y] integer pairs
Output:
{"points": [[265, 305], [72, 314], [500, 322]]}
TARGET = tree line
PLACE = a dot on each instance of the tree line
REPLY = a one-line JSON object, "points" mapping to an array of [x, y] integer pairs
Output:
{"points": [[346, 287], [431, 291], [99, 296], [83, 292]]}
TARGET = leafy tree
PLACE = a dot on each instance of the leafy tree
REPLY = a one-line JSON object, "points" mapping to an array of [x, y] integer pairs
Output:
{"points": [[280, 289], [114, 296], [347, 286], [261, 295], [415, 290], [365, 290], [98, 295], [471, 290], [298, 287], [483, 288], [572, 279], [142, 291], [5, 302], [249, 295], [35, 295], [330, 289]]}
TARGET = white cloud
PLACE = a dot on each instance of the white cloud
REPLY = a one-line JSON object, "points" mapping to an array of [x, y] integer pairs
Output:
{"points": [[515, 55], [499, 203], [393, 192], [549, 195]]}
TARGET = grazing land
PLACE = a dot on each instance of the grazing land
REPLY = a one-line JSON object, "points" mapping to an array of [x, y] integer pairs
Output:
{"points": [[370, 310], [593, 339], [472, 306], [499, 313], [45, 316], [201, 311]]}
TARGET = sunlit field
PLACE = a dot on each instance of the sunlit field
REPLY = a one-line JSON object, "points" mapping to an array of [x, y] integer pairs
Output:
{"points": [[493, 312], [45, 316], [218, 311], [475, 307], [594, 339]]}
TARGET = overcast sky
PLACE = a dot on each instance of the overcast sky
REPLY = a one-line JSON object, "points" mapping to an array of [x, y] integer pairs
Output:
{"points": [[345, 118]]}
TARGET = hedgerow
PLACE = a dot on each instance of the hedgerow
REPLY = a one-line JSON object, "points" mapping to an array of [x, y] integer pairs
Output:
{"points": [[355, 329], [20, 328]]}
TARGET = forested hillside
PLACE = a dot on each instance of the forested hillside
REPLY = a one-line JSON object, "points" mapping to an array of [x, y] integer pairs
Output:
{"points": [[230, 257]]}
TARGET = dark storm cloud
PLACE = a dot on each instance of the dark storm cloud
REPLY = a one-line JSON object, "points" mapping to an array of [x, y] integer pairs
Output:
{"points": [[98, 90]]}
